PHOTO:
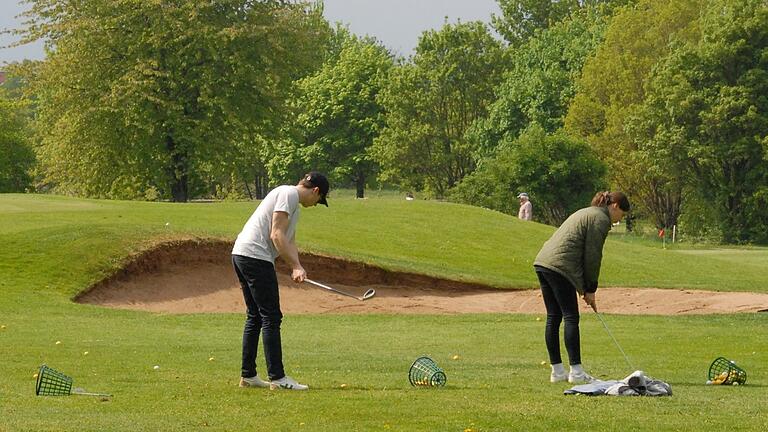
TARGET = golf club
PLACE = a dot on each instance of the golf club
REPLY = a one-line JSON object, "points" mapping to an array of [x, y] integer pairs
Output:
{"points": [[368, 294], [614, 339], [82, 392]]}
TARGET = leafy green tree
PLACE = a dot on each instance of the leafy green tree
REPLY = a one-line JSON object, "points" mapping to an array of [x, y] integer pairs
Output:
{"points": [[612, 90], [339, 37], [520, 19], [540, 83], [16, 155], [561, 174], [340, 116], [431, 102], [271, 159], [709, 99], [661, 184], [144, 99]]}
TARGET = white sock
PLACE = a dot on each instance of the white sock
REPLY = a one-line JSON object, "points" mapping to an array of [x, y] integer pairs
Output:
{"points": [[576, 369], [558, 369]]}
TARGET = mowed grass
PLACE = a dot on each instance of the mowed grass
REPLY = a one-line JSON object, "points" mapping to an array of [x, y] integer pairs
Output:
{"points": [[53, 247]]}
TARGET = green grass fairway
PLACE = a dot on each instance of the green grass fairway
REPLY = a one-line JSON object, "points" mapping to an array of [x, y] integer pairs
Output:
{"points": [[53, 247]]}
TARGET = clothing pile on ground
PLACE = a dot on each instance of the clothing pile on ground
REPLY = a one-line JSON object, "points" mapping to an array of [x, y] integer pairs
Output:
{"points": [[636, 384]]}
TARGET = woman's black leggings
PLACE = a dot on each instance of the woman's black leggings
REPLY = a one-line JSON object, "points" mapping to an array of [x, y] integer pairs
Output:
{"points": [[561, 302]]}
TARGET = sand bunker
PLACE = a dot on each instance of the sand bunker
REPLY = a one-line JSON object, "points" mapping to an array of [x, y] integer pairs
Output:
{"points": [[197, 277]]}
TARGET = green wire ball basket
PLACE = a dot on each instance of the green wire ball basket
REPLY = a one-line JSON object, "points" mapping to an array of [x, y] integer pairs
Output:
{"points": [[51, 382], [425, 373], [724, 372]]}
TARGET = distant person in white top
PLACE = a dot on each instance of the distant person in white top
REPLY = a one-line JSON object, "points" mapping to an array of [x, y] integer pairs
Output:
{"points": [[526, 209], [271, 232]]}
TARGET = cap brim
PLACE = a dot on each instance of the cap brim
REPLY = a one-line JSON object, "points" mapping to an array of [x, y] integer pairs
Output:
{"points": [[323, 201]]}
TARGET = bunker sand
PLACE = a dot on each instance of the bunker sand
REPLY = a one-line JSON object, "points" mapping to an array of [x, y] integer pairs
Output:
{"points": [[197, 277]]}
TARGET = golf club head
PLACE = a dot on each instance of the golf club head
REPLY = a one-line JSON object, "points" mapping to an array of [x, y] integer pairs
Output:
{"points": [[368, 294]]}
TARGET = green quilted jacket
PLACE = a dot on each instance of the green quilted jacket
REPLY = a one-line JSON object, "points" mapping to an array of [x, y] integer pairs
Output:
{"points": [[575, 250]]}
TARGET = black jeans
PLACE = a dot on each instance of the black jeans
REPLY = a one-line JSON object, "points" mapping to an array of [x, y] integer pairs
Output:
{"points": [[562, 304], [262, 299]]}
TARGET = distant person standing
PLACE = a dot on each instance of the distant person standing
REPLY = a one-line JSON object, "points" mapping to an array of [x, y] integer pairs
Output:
{"points": [[271, 232], [526, 209], [569, 263]]}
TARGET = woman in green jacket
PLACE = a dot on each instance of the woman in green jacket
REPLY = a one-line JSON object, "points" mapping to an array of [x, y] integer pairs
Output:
{"points": [[569, 263]]}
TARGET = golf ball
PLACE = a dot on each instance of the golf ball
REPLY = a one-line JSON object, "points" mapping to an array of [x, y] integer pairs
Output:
{"points": [[85, 353], [455, 357], [58, 342], [156, 367], [211, 359]]}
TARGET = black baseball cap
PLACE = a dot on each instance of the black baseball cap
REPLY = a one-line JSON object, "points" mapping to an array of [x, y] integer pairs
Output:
{"points": [[319, 181]]}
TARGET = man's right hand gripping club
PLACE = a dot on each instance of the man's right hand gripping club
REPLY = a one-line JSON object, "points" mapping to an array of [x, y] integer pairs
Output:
{"points": [[286, 247]]}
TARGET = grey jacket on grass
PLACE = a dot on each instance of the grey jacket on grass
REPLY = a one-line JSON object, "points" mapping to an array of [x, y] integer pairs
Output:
{"points": [[575, 250]]}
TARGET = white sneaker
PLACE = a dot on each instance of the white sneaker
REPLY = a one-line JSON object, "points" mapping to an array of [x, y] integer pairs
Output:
{"points": [[580, 378], [556, 377], [287, 383], [253, 381]]}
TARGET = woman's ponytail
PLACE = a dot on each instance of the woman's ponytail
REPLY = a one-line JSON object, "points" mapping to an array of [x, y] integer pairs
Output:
{"points": [[604, 199], [601, 199]]}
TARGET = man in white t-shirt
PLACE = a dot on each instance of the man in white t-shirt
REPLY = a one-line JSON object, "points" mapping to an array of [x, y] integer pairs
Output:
{"points": [[271, 232]]}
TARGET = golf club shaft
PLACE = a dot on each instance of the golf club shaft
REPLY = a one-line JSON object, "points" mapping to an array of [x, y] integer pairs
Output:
{"points": [[85, 393], [614, 340], [332, 289]]}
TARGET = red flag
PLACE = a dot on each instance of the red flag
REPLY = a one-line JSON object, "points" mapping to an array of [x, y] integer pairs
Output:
{"points": [[661, 233]]}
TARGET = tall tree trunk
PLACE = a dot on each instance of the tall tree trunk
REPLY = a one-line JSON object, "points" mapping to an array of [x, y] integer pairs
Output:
{"points": [[248, 189], [736, 190], [663, 201], [261, 183], [360, 185], [177, 172]]}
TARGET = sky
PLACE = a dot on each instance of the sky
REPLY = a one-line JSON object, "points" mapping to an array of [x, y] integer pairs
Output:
{"points": [[396, 23]]}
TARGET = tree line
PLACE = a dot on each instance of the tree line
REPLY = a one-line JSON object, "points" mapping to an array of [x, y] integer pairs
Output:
{"points": [[183, 99]]}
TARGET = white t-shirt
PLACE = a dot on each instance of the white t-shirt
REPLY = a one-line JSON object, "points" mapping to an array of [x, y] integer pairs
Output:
{"points": [[525, 211], [253, 241]]}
